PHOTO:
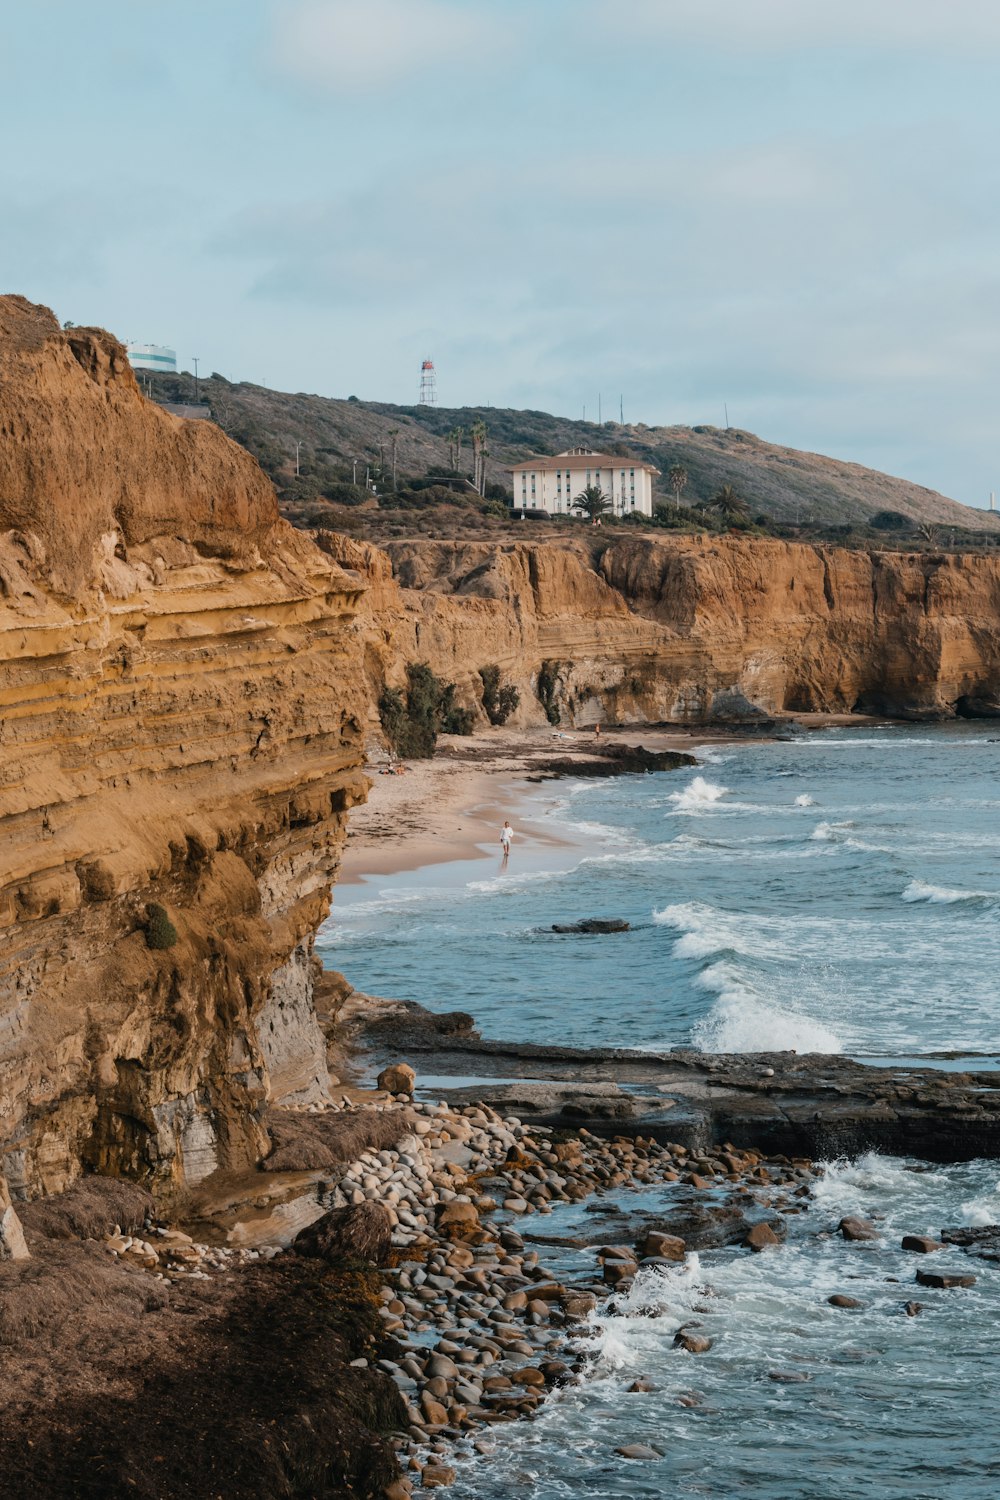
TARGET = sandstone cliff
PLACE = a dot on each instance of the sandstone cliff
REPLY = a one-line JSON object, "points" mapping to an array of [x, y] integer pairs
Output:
{"points": [[181, 722], [688, 629]]}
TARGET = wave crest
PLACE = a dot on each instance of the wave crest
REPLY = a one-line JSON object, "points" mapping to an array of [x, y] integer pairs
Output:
{"points": [[697, 796]]}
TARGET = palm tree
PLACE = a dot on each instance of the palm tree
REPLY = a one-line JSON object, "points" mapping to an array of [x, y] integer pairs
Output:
{"points": [[393, 434], [678, 478], [592, 502], [479, 431], [455, 437], [728, 506]]}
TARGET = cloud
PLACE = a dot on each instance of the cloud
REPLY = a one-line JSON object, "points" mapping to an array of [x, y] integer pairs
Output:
{"points": [[357, 45], [789, 25]]}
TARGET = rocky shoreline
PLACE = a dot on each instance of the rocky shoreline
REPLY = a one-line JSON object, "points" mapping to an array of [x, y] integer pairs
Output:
{"points": [[783, 1103], [464, 1326]]}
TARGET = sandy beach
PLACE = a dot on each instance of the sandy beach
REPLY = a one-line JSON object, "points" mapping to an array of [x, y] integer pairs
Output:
{"points": [[452, 806]]}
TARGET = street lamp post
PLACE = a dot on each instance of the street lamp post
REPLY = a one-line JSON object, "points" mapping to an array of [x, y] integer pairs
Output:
{"points": [[195, 358]]}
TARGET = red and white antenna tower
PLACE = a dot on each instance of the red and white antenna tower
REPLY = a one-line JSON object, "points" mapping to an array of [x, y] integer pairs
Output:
{"points": [[428, 384]]}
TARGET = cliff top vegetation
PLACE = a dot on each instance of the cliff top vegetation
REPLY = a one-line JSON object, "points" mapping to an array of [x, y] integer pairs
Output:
{"points": [[319, 450]]}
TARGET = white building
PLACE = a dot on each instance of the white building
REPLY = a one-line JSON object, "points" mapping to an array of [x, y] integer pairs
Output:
{"points": [[553, 484], [152, 357]]}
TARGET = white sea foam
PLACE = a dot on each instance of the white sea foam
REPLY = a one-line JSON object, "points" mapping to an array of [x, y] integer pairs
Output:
{"points": [[978, 1212], [742, 1020], [697, 796], [942, 895], [804, 800], [829, 832]]}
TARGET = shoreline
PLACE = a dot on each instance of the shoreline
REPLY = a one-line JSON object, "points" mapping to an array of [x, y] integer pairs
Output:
{"points": [[449, 808]]}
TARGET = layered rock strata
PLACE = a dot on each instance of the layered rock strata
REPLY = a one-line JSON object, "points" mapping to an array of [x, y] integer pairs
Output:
{"points": [[181, 726], [688, 629]]}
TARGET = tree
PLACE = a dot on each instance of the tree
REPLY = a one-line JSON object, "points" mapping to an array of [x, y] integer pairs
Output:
{"points": [[728, 506], [455, 438], [479, 455], [393, 435], [592, 502], [678, 478]]}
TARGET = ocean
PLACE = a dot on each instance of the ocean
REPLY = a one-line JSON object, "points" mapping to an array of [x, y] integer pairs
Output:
{"points": [[835, 892], [838, 892]]}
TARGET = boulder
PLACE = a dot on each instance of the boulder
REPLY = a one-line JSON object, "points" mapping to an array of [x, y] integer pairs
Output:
{"points": [[853, 1228], [12, 1244], [437, 1476], [921, 1244], [654, 1244], [840, 1300], [361, 1231], [692, 1343], [761, 1237], [577, 1306], [398, 1078], [638, 1450], [705, 1227], [593, 925], [911, 1309], [942, 1282], [458, 1220]]}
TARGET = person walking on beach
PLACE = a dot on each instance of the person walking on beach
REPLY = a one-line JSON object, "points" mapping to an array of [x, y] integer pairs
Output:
{"points": [[506, 834]]}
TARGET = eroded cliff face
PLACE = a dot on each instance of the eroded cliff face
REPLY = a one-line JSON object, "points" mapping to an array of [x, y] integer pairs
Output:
{"points": [[181, 722], [689, 629]]}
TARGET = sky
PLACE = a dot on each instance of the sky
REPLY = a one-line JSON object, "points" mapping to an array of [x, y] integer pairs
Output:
{"points": [[784, 208]]}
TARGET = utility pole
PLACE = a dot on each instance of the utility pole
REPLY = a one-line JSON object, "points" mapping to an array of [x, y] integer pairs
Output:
{"points": [[298, 446], [621, 410], [195, 358], [598, 410], [354, 478], [725, 407]]}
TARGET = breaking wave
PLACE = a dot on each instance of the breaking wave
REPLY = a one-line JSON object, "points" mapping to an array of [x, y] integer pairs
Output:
{"points": [[697, 796]]}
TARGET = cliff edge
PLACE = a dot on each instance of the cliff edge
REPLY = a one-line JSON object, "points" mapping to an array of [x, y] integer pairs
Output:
{"points": [[181, 725]]}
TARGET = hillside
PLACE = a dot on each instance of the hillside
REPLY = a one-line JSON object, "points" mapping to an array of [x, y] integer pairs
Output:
{"points": [[787, 485]]}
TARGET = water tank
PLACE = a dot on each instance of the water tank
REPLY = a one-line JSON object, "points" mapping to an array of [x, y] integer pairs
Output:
{"points": [[152, 357]]}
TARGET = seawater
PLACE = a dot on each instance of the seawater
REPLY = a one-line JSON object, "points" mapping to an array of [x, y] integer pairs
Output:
{"points": [[836, 892], [883, 1406]]}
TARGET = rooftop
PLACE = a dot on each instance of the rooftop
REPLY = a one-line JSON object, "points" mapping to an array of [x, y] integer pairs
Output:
{"points": [[582, 458]]}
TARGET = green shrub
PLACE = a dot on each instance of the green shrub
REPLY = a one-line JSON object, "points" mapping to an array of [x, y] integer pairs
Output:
{"points": [[545, 688], [160, 931], [412, 724], [500, 699]]}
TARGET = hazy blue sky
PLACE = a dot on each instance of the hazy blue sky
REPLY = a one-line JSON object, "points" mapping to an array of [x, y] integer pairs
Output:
{"points": [[787, 205]]}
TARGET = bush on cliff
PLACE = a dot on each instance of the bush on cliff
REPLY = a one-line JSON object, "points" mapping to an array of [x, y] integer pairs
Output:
{"points": [[412, 723], [160, 931], [545, 688], [500, 698]]}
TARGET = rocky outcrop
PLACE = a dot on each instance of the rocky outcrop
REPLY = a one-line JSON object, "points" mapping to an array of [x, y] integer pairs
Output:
{"points": [[688, 629], [181, 726]]}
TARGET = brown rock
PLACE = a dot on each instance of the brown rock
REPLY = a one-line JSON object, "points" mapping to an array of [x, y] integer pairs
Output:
{"points": [[578, 1305], [911, 1309], [434, 1413], [941, 1281], [761, 1237], [840, 1300], [693, 1343], [616, 1271], [637, 1451], [528, 1376], [437, 1476], [461, 1217], [12, 1243], [361, 1231], [853, 1228], [398, 1078], [921, 1244], [662, 1246]]}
